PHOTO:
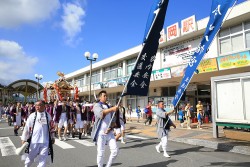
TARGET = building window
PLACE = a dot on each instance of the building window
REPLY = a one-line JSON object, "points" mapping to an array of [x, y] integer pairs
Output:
{"points": [[130, 65], [248, 39], [131, 101], [225, 45], [95, 77], [237, 42], [112, 72], [169, 91], [232, 39], [112, 98], [247, 34], [79, 82]]}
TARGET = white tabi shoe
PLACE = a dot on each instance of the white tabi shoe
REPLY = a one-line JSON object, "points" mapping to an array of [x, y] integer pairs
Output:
{"points": [[166, 155], [158, 149], [123, 142]]}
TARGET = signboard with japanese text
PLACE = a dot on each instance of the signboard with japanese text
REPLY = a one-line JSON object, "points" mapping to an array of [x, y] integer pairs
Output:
{"points": [[173, 31], [234, 61], [112, 83], [162, 37], [162, 74], [188, 25], [181, 53], [208, 65], [178, 71]]}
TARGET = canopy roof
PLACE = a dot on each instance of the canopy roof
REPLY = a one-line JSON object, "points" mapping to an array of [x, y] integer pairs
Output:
{"points": [[25, 86]]}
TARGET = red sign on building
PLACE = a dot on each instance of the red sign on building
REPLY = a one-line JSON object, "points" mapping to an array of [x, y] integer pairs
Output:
{"points": [[172, 31], [188, 25]]}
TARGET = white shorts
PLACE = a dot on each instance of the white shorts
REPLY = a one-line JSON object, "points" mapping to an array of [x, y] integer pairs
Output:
{"points": [[85, 122], [63, 121], [17, 124], [18, 120], [79, 124], [122, 125], [122, 128], [117, 130]]}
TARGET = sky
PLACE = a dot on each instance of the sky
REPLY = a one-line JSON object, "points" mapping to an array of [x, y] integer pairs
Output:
{"points": [[46, 36]]}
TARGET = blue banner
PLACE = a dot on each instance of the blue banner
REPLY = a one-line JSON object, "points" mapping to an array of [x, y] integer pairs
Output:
{"points": [[219, 9], [138, 83], [151, 18]]}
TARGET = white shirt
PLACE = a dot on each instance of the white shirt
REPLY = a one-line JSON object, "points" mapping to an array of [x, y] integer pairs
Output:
{"points": [[40, 132], [105, 121]]}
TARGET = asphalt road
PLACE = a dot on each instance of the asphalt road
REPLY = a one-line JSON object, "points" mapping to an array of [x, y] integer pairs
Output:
{"points": [[137, 152]]}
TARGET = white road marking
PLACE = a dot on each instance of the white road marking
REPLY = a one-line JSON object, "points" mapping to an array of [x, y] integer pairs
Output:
{"points": [[135, 137], [85, 142], [63, 144], [7, 147], [7, 128]]}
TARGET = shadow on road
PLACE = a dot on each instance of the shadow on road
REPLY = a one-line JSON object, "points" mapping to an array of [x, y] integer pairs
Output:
{"points": [[159, 164], [140, 145], [183, 151], [238, 164], [114, 164]]}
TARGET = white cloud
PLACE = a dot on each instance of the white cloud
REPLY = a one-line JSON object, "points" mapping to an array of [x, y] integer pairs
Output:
{"points": [[14, 13], [47, 82], [14, 62], [72, 21]]}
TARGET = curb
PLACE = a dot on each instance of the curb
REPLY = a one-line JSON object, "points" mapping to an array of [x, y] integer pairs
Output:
{"points": [[227, 147], [214, 145]]}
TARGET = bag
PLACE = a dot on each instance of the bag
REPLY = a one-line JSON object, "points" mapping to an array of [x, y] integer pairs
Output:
{"points": [[146, 110]]}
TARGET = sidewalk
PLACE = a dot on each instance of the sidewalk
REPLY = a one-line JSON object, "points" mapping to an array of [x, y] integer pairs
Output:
{"points": [[200, 137]]}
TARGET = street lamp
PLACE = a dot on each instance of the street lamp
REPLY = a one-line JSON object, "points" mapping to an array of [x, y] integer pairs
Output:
{"points": [[95, 56], [38, 77]]}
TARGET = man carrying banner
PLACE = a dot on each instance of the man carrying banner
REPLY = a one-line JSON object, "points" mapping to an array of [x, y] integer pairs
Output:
{"points": [[105, 134], [163, 126]]}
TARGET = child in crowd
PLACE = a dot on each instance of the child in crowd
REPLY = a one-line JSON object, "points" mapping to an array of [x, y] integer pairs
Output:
{"points": [[138, 112], [199, 117], [181, 116]]}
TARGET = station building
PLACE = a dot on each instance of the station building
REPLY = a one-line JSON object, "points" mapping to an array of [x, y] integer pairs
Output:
{"points": [[228, 54]]}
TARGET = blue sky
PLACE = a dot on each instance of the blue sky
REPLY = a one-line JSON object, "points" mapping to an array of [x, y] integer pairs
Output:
{"points": [[46, 36]]}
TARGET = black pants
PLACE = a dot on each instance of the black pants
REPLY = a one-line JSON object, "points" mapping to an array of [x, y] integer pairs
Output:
{"points": [[149, 120]]}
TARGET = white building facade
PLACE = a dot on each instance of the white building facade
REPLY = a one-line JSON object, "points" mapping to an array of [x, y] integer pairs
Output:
{"points": [[229, 53]]}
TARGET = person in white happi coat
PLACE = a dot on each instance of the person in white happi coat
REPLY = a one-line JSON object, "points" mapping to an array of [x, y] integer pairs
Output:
{"points": [[17, 111], [105, 134], [37, 133], [62, 117], [79, 119], [163, 127], [120, 124]]}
